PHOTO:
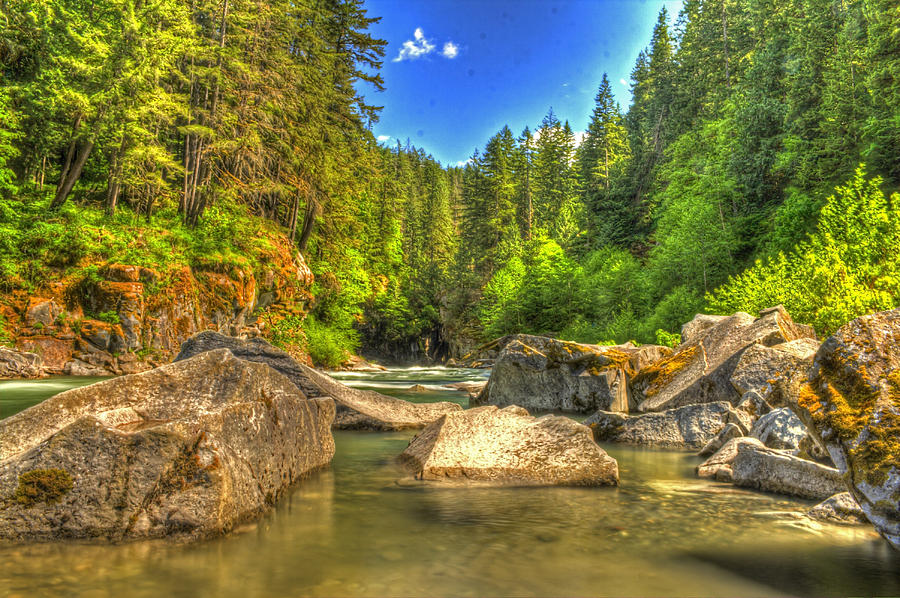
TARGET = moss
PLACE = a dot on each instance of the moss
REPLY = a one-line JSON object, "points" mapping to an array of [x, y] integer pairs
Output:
{"points": [[43, 485], [664, 371], [617, 357], [846, 405], [880, 452]]}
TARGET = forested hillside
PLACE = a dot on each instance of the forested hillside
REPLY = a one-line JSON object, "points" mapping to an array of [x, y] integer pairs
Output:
{"points": [[754, 166]]}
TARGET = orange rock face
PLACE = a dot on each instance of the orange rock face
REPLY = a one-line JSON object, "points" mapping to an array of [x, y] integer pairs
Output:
{"points": [[135, 317]]}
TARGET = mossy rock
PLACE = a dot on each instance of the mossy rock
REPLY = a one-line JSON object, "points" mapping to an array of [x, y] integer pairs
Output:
{"points": [[851, 402]]}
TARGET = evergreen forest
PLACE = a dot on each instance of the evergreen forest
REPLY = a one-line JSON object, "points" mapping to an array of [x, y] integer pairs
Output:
{"points": [[758, 164]]}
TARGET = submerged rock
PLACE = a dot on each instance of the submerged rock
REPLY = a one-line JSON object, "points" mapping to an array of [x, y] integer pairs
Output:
{"points": [[508, 446], [840, 508], [702, 368], [692, 426], [851, 402], [473, 389], [778, 471], [20, 364], [187, 450], [356, 409], [546, 374]]}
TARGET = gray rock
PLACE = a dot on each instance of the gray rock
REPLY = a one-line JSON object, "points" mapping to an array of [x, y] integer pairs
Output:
{"points": [[719, 465], [753, 405], [701, 370], [772, 470], [696, 327], [187, 450], [356, 409], [546, 374], [780, 429], [760, 368], [690, 427], [851, 402], [487, 445], [76, 367], [840, 508], [42, 312], [729, 432], [20, 364]]}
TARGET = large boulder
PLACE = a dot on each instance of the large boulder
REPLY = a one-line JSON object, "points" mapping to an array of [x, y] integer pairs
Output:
{"points": [[487, 445], [851, 403], [701, 370], [761, 368], [356, 409], [772, 470], [546, 374], [188, 450], [690, 427], [20, 364]]}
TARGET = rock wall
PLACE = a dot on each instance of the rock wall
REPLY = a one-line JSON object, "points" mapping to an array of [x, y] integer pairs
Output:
{"points": [[123, 319]]}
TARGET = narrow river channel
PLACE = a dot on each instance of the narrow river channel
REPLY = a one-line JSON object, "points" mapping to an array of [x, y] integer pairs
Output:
{"points": [[352, 530]]}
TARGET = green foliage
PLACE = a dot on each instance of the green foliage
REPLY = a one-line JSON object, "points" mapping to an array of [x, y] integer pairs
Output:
{"points": [[198, 137], [110, 317], [329, 346], [847, 268], [6, 339], [667, 339]]}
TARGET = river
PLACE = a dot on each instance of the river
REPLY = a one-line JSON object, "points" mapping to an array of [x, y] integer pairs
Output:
{"points": [[352, 530]]}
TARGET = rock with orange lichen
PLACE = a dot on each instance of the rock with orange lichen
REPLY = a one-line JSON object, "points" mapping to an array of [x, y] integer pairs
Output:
{"points": [[188, 450], [124, 318], [547, 374], [701, 370], [851, 402], [487, 445]]}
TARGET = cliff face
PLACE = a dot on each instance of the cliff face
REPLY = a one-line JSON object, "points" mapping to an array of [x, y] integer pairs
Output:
{"points": [[122, 319]]}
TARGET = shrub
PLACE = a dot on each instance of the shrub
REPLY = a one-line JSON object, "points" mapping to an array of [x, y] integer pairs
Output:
{"points": [[110, 317], [327, 345], [847, 268]]}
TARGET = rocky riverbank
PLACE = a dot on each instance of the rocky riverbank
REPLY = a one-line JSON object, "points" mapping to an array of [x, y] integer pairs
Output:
{"points": [[768, 408], [123, 319]]}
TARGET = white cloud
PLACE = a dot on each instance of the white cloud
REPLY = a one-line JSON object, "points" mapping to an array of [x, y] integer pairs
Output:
{"points": [[451, 50], [579, 137], [383, 137], [415, 48], [462, 163], [623, 81]]}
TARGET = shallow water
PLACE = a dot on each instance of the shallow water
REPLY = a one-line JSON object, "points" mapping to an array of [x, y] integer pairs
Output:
{"points": [[353, 531]]}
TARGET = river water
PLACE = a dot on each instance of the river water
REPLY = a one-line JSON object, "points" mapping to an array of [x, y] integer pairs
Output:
{"points": [[352, 530]]}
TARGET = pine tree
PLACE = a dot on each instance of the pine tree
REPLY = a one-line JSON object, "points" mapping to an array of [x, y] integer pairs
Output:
{"points": [[601, 163]]}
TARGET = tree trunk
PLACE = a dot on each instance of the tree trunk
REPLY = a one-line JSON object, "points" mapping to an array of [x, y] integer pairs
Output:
{"points": [[68, 182], [309, 221]]}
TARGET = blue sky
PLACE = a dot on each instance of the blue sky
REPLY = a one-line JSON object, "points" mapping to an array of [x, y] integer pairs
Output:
{"points": [[456, 71]]}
